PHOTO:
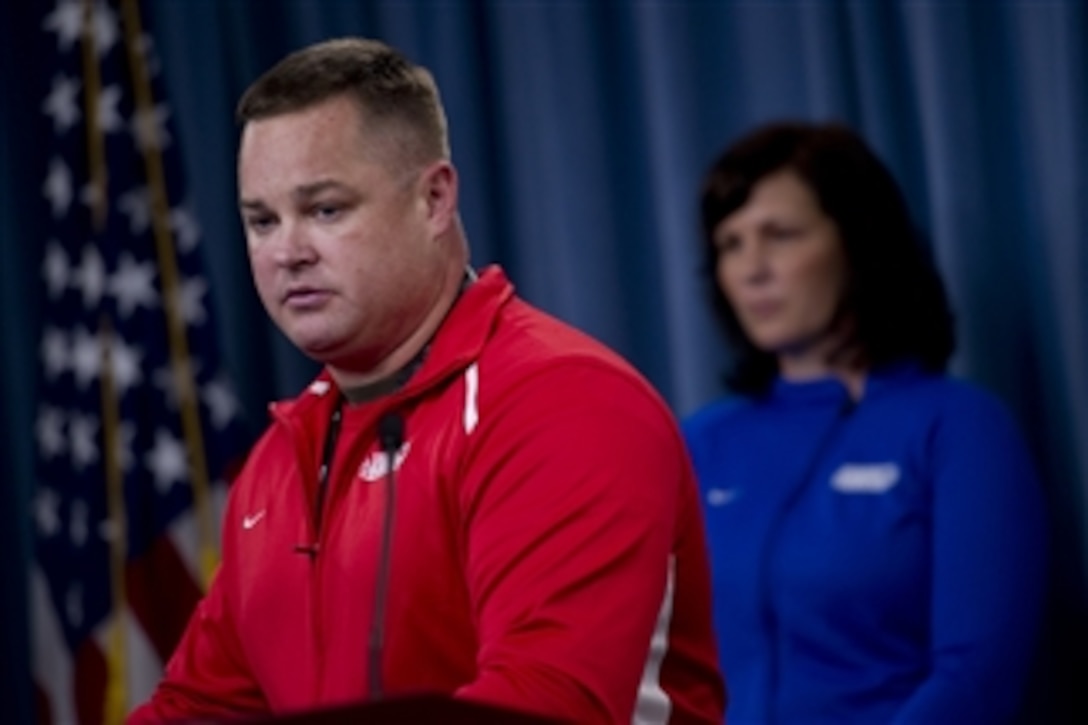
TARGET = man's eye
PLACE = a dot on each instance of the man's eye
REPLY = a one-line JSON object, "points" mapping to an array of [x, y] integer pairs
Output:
{"points": [[260, 223], [326, 211]]}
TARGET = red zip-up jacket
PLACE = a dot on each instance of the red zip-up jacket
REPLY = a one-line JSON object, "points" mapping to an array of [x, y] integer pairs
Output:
{"points": [[547, 551]]}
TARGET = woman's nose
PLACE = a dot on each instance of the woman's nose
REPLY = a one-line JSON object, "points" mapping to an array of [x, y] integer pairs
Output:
{"points": [[752, 261]]}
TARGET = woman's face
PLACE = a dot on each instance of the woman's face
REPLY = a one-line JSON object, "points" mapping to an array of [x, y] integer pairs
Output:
{"points": [[782, 266]]}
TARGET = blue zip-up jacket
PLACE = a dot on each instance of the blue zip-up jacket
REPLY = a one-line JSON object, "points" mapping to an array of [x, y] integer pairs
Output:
{"points": [[878, 562]]}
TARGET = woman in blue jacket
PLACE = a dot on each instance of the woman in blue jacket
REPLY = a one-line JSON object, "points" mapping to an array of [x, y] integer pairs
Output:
{"points": [[877, 529]]}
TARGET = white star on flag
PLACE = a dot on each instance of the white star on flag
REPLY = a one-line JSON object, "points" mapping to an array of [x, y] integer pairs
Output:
{"points": [[186, 229], [93, 195], [221, 402], [58, 187], [86, 358], [82, 438], [145, 46], [46, 503], [90, 277], [166, 461], [106, 31], [136, 205], [109, 118], [164, 379], [50, 431], [54, 352], [192, 300], [124, 366], [66, 21], [133, 285], [55, 269], [149, 128], [61, 104]]}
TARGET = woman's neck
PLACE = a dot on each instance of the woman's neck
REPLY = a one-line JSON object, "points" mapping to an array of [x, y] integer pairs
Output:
{"points": [[831, 359]]}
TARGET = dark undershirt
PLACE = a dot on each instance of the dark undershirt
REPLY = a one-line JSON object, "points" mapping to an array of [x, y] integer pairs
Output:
{"points": [[396, 381]]}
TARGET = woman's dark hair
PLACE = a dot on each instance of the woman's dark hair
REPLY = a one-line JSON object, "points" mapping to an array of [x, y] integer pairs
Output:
{"points": [[894, 292]]}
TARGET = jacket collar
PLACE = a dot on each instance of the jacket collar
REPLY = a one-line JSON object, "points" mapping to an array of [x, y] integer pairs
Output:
{"points": [[456, 345], [832, 390]]}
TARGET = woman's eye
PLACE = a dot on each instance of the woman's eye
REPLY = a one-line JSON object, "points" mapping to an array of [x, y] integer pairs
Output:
{"points": [[726, 244], [783, 233]]}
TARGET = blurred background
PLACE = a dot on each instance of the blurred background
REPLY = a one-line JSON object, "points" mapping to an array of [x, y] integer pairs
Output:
{"points": [[581, 130]]}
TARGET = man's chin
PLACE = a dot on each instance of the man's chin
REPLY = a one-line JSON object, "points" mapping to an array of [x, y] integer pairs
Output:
{"points": [[320, 349]]}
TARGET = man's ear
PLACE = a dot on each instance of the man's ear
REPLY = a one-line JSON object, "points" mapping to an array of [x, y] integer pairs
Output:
{"points": [[438, 183]]}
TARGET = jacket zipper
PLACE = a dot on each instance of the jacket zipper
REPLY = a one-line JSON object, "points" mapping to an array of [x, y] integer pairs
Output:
{"points": [[313, 548], [770, 617]]}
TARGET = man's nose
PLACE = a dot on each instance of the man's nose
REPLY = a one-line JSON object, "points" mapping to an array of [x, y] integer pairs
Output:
{"points": [[295, 248]]}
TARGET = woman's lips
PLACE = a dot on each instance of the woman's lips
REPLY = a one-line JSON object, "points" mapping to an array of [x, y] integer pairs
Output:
{"points": [[762, 310]]}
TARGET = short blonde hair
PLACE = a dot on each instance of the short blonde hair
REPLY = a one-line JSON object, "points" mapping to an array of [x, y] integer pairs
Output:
{"points": [[394, 95]]}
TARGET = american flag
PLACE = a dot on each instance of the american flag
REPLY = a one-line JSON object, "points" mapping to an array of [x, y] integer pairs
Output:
{"points": [[136, 422]]}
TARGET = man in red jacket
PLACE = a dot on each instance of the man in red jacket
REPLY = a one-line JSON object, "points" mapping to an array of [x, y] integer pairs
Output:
{"points": [[472, 498]]}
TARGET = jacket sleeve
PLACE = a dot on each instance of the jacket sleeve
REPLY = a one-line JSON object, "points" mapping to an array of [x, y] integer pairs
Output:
{"points": [[989, 568], [206, 676], [571, 496]]}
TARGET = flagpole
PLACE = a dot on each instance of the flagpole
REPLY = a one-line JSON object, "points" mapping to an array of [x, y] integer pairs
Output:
{"points": [[96, 143], [179, 352], [116, 705]]}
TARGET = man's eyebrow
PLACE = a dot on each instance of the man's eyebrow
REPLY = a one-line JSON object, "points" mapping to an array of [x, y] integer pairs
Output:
{"points": [[300, 194], [308, 191]]}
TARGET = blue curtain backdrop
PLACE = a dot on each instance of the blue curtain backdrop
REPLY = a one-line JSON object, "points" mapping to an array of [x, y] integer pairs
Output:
{"points": [[581, 130]]}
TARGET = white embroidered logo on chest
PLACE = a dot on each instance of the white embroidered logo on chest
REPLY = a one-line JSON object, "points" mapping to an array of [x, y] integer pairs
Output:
{"points": [[721, 496], [376, 465], [865, 477]]}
